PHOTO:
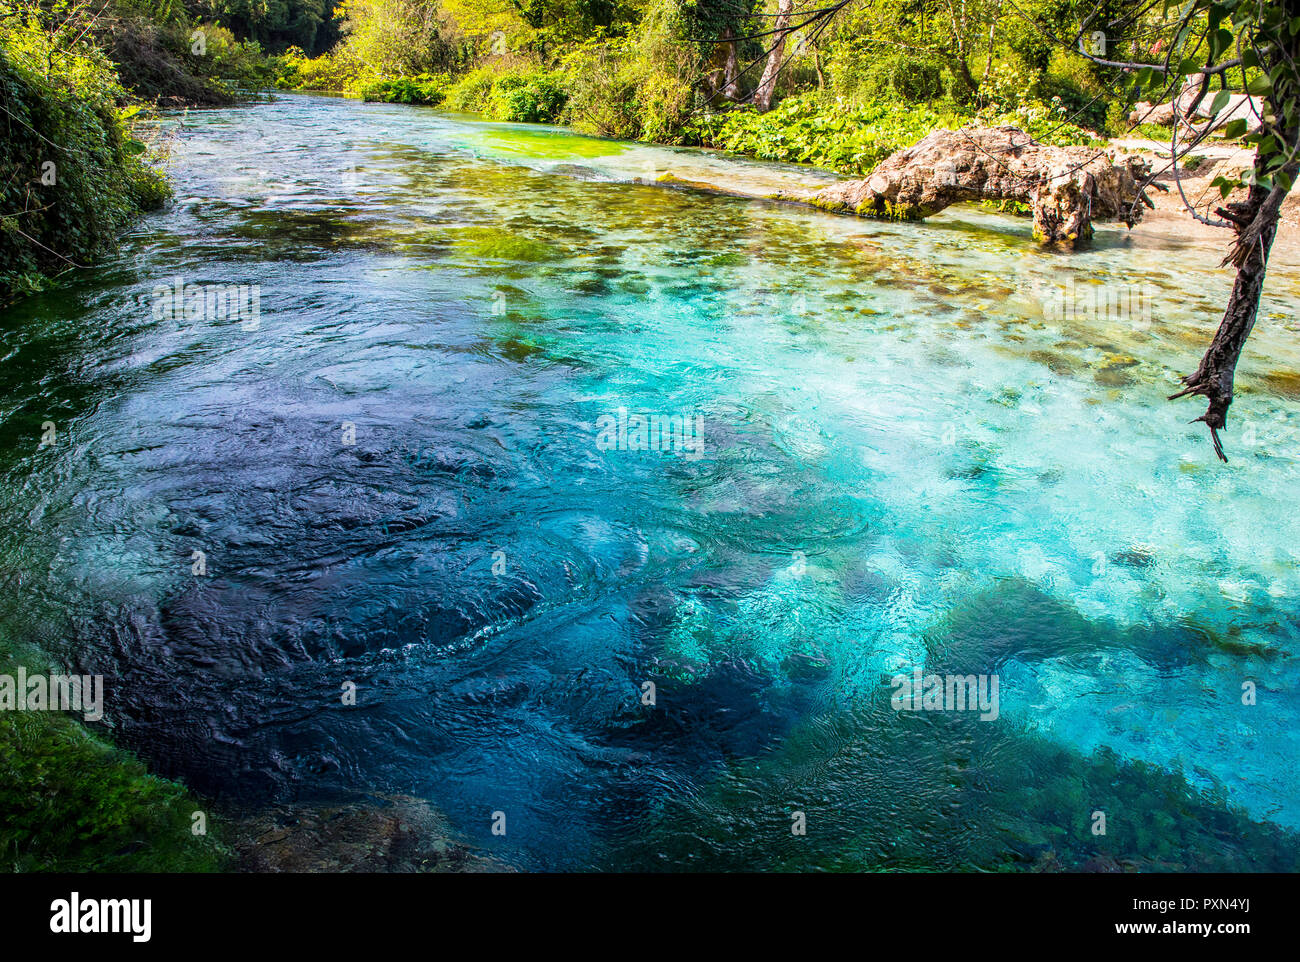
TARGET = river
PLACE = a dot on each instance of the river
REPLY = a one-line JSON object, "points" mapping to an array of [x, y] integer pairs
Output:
{"points": [[413, 473]]}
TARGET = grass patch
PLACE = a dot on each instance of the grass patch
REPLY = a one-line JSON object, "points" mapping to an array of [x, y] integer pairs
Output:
{"points": [[72, 802]]}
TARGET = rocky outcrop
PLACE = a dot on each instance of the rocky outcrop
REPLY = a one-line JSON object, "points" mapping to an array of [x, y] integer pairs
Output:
{"points": [[1067, 187], [1149, 113], [1188, 109]]}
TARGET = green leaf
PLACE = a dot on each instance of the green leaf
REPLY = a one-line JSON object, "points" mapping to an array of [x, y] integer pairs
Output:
{"points": [[1225, 186], [1220, 101], [1234, 129], [1260, 85]]}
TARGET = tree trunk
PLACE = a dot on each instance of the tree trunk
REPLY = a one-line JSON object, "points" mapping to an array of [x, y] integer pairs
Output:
{"points": [[1255, 221], [767, 86], [730, 69], [1068, 187], [960, 53]]}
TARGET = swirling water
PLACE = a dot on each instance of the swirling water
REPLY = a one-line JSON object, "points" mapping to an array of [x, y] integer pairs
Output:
{"points": [[396, 480]]}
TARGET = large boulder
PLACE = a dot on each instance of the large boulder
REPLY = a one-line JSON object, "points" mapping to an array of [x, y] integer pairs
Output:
{"points": [[1067, 187], [1185, 107]]}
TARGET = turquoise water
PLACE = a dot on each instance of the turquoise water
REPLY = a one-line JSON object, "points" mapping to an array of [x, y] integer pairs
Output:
{"points": [[909, 460]]}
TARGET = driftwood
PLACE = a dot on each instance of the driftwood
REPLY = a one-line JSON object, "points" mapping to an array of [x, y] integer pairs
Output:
{"points": [[1067, 187]]}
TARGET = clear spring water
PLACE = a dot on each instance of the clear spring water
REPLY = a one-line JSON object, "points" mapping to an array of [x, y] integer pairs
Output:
{"points": [[908, 461]]}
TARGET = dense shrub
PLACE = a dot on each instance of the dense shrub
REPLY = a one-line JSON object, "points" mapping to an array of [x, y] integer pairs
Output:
{"points": [[633, 91], [399, 38], [1046, 123], [335, 71], [72, 176], [1069, 80], [532, 98], [163, 55], [239, 65], [864, 75], [602, 93], [473, 90], [810, 129], [153, 61], [427, 89]]}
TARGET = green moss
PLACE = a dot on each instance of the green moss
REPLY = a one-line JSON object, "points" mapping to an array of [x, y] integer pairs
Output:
{"points": [[873, 208], [549, 144], [72, 802], [1283, 383], [833, 207], [495, 244], [890, 791]]}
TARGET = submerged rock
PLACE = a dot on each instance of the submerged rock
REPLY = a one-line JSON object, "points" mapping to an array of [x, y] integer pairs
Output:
{"points": [[393, 834], [1067, 187]]}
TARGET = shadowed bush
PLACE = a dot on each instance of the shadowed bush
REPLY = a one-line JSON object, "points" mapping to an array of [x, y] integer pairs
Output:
{"points": [[71, 174]]}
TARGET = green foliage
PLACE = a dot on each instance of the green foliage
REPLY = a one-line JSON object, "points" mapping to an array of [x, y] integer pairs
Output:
{"points": [[809, 129], [385, 42], [162, 54], [862, 74], [73, 803], [1266, 39], [426, 89], [72, 172], [572, 21], [1153, 132], [238, 66], [602, 91], [398, 38], [274, 25], [1046, 123], [1069, 81], [1006, 86], [853, 138], [531, 98], [614, 92], [641, 88], [403, 90], [334, 71], [472, 91]]}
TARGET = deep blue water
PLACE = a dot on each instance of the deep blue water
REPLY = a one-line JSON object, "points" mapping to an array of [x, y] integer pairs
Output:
{"points": [[908, 460]]}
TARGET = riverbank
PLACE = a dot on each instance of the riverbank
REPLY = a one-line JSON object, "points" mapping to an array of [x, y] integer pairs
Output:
{"points": [[70, 801], [77, 163]]}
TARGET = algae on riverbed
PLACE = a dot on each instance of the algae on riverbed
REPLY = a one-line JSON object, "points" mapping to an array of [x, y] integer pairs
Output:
{"points": [[888, 791]]}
